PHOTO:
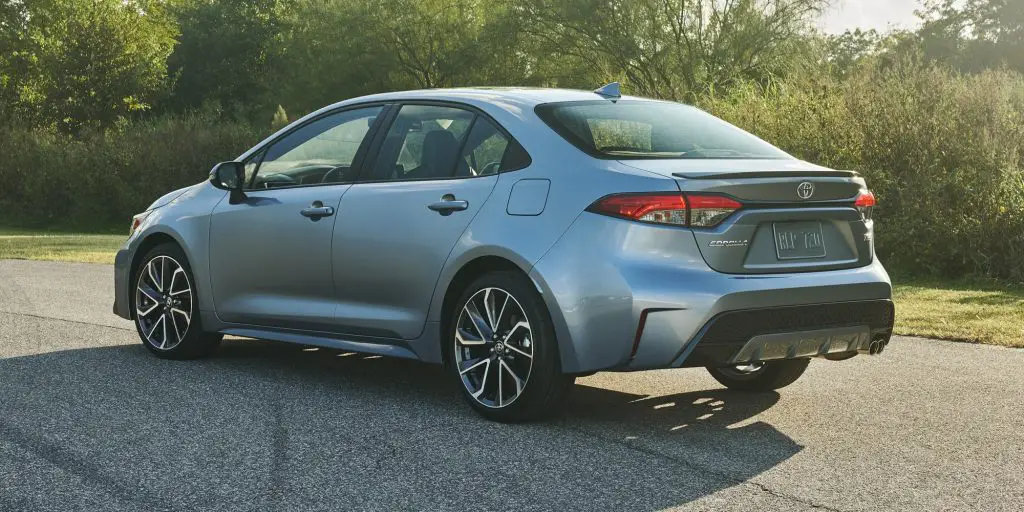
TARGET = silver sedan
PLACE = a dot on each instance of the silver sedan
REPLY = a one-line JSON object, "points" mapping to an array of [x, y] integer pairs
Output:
{"points": [[520, 237]]}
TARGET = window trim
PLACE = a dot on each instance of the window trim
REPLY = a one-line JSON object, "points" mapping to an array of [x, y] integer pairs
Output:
{"points": [[396, 106], [259, 151]]}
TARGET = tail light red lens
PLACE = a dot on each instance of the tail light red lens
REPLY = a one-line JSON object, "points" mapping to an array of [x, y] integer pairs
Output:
{"points": [[656, 208], [699, 211], [865, 202]]}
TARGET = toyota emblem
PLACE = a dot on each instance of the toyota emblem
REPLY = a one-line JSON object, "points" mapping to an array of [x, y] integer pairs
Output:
{"points": [[805, 190]]}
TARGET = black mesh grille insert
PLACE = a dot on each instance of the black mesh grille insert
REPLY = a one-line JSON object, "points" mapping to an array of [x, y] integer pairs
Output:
{"points": [[739, 326]]}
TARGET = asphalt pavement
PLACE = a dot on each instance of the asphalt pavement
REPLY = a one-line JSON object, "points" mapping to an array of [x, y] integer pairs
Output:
{"points": [[89, 420]]}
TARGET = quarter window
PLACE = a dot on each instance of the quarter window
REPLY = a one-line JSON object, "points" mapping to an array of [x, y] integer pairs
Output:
{"points": [[484, 150], [321, 151]]}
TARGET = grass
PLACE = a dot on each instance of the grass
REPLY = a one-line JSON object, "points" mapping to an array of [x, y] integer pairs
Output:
{"points": [[971, 311], [976, 312], [56, 246]]}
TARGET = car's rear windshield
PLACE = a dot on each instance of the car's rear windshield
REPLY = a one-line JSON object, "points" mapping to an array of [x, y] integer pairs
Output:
{"points": [[633, 129]]}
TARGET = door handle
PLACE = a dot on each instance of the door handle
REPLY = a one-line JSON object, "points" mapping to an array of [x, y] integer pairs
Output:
{"points": [[448, 204], [317, 211]]}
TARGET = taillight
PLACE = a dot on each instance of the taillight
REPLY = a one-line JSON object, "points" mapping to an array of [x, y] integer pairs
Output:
{"points": [[656, 208], [694, 210], [865, 202], [710, 211]]}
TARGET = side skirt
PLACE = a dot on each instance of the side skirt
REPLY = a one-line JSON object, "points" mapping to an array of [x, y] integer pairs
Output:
{"points": [[425, 348]]}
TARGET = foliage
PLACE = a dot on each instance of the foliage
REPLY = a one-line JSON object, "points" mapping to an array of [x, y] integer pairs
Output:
{"points": [[943, 152], [973, 35], [107, 104], [675, 49], [280, 119], [99, 179], [77, 64], [223, 57]]}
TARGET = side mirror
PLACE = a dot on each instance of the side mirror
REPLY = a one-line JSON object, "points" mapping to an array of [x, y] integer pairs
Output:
{"points": [[229, 176]]}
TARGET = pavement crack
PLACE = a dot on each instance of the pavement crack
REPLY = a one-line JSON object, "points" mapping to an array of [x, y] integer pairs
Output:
{"points": [[633, 446], [79, 322]]}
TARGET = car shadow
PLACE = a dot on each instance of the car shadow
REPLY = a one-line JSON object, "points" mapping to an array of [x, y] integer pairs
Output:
{"points": [[274, 426]]}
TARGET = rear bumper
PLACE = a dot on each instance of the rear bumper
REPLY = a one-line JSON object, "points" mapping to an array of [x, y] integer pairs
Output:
{"points": [[737, 337], [628, 296]]}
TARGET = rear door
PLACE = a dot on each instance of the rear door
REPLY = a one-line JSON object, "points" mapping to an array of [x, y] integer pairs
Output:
{"points": [[270, 254], [794, 216], [433, 171]]}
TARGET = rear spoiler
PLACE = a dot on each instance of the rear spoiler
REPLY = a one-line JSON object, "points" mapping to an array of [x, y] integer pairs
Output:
{"points": [[765, 174]]}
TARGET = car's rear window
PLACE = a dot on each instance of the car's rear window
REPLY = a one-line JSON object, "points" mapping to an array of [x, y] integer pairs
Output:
{"points": [[632, 129]]}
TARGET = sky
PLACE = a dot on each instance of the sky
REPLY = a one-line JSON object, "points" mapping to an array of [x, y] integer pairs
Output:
{"points": [[868, 14]]}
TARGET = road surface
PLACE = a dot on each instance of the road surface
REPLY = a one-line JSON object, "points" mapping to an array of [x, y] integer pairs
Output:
{"points": [[90, 421]]}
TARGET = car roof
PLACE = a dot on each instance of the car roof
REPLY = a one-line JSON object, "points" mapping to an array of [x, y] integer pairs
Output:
{"points": [[518, 97], [511, 100]]}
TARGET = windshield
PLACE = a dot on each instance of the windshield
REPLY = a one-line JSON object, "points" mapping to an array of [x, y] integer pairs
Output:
{"points": [[651, 129]]}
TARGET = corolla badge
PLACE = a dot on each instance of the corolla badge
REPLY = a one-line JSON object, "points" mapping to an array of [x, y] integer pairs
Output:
{"points": [[805, 190], [729, 243]]}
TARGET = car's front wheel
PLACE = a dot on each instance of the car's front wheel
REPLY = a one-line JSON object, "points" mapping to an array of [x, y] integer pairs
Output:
{"points": [[503, 352], [165, 308], [760, 377]]}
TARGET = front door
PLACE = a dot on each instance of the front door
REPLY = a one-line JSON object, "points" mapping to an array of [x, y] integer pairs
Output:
{"points": [[436, 167], [270, 254]]}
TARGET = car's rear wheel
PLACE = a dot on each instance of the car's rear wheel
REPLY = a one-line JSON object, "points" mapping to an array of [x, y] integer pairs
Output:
{"points": [[503, 352], [165, 308], [760, 377]]}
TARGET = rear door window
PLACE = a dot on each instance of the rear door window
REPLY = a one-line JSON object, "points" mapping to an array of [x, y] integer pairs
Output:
{"points": [[422, 143]]}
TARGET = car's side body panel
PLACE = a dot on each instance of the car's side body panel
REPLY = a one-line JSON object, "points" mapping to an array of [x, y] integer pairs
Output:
{"points": [[389, 250], [186, 220], [269, 265]]}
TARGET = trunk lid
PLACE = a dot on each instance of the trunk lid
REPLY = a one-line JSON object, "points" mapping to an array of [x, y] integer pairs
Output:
{"points": [[796, 216]]}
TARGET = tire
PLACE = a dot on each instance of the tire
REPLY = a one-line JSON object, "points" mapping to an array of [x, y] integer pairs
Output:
{"points": [[770, 376], [163, 302], [515, 374]]}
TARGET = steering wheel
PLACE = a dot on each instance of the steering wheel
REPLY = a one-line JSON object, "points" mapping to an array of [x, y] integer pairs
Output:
{"points": [[334, 173]]}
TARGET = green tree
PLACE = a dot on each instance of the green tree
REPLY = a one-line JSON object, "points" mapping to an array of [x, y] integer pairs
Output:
{"points": [[84, 63], [329, 50], [845, 51], [972, 35], [675, 48], [442, 43], [334, 49], [224, 51]]}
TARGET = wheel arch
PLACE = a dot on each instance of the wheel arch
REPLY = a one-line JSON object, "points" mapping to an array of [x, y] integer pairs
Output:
{"points": [[466, 274], [146, 243]]}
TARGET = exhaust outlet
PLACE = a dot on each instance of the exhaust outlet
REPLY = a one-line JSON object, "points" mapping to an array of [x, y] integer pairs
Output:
{"points": [[875, 346]]}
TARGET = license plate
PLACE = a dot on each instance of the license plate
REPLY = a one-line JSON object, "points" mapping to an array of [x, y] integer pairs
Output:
{"points": [[798, 240]]}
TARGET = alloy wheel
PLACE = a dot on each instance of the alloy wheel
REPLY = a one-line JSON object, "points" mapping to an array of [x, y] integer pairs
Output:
{"points": [[163, 302], [493, 347]]}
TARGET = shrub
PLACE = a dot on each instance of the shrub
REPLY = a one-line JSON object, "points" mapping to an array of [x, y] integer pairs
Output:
{"points": [[943, 152], [100, 179]]}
